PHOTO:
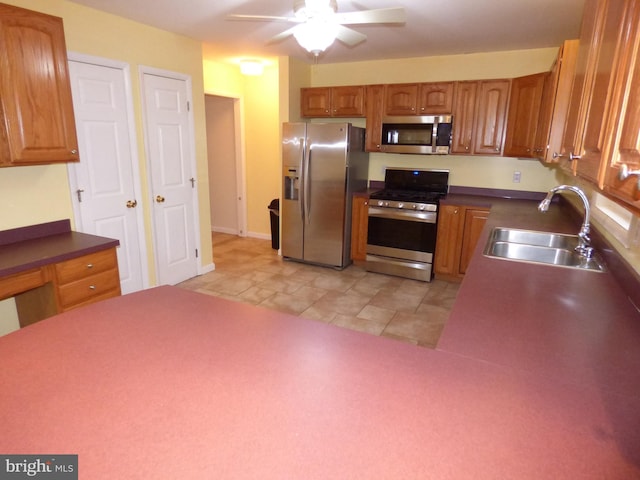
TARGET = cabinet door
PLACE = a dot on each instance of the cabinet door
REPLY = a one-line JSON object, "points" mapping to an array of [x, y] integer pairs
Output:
{"points": [[35, 93], [474, 221], [374, 110], [555, 103], [448, 241], [402, 99], [359, 227], [491, 114], [593, 20], [608, 46], [625, 150], [315, 102], [347, 101], [435, 98], [524, 114], [463, 117]]}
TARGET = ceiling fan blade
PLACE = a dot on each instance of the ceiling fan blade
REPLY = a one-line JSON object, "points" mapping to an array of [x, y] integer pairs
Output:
{"points": [[349, 36], [380, 15], [263, 18], [281, 36]]}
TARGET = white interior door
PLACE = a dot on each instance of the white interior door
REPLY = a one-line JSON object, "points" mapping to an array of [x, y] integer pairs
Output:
{"points": [[169, 139], [105, 182]]}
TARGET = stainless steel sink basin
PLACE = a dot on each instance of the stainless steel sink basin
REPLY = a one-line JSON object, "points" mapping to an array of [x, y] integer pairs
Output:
{"points": [[540, 239], [539, 247]]}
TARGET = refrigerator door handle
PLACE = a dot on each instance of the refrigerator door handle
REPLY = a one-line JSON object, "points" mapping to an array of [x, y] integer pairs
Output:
{"points": [[307, 194]]}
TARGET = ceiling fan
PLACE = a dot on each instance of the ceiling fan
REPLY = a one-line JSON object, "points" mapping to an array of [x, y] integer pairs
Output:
{"points": [[318, 23]]}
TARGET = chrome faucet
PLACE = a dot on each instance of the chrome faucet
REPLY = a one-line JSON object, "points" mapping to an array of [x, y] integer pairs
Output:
{"points": [[584, 243]]}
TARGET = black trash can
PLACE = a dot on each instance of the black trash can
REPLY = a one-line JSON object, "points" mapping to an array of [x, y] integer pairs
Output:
{"points": [[274, 213]]}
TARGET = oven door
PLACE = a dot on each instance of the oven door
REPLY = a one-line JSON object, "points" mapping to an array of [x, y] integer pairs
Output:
{"points": [[402, 234]]}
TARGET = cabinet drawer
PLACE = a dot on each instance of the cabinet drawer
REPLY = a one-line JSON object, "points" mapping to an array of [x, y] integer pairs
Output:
{"points": [[21, 282], [82, 267], [89, 288]]}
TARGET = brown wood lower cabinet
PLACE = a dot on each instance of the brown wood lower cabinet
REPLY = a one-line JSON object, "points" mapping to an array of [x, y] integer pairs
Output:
{"points": [[359, 227], [87, 279], [45, 291], [459, 227]]}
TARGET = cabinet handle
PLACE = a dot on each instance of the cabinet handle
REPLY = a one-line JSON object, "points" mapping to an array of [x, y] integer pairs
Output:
{"points": [[89, 265], [456, 211], [625, 173], [74, 152], [92, 287], [574, 157]]}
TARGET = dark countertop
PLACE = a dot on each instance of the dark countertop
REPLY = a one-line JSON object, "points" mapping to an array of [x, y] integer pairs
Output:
{"points": [[30, 247], [567, 325]]}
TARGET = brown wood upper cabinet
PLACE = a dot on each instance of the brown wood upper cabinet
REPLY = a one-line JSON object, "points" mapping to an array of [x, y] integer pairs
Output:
{"points": [[479, 116], [345, 101], [624, 136], [38, 125], [524, 112], [374, 110], [602, 40], [555, 103], [419, 98]]}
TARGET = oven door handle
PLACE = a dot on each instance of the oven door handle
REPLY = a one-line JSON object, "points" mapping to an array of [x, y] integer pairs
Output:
{"points": [[407, 215]]}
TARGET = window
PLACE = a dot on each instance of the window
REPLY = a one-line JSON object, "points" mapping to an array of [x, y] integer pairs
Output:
{"points": [[617, 220]]}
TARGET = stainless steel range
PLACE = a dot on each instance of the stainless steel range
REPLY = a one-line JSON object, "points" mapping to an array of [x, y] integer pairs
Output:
{"points": [[403, 221]]}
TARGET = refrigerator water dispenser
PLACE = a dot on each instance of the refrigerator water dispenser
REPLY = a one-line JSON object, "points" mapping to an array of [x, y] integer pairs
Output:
{"points": [[291, 184]]}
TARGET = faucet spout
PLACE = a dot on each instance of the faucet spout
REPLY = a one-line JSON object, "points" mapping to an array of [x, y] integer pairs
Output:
{"points": [[584, 246]]}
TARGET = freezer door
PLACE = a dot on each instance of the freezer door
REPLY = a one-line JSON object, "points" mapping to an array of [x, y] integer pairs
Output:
{"points": [[293, 151], [325, 193]]}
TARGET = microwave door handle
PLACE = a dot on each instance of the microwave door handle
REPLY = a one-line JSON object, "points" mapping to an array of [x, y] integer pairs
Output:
{"points": [[434, 135]]}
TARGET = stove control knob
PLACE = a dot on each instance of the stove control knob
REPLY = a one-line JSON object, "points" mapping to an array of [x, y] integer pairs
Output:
{"points": [[380, 203], [423, 206], [400, 205], [415, 207]]}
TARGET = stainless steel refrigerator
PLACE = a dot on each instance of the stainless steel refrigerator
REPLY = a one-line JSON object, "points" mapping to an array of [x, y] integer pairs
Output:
{"points": [[323, 164]]}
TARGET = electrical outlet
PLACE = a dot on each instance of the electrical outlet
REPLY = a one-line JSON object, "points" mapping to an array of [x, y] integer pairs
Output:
{"points": [[516, 177]]}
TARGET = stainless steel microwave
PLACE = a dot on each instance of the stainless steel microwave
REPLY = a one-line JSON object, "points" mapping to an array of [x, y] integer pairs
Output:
{"points": [[425, 134]]}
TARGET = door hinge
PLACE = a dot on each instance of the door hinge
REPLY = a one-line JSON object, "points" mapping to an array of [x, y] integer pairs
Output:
{"points": [[196, 253], [188, 106]]}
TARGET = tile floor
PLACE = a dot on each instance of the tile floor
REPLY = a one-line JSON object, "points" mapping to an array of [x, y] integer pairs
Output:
{"points": [[248, 270]]}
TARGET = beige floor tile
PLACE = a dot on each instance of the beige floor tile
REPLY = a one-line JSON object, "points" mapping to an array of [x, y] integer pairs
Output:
{"points": [[343, 303], [248, 270], [360, 324], [415, 326]]}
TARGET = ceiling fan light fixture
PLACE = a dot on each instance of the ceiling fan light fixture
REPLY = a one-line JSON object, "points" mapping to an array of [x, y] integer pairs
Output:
{"points": [[316, 35]]}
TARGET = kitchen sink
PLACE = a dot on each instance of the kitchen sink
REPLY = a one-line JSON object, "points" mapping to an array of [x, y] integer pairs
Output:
{"points": [[546, 248]]}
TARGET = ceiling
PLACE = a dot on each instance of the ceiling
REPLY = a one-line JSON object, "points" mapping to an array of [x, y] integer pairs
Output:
{"points": [[443, 27]]}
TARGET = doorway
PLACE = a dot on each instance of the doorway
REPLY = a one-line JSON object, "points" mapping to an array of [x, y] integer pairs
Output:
{"points": [[226, 178]]}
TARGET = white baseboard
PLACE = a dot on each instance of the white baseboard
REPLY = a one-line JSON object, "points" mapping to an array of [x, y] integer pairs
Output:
{"points": [[230, 231]]}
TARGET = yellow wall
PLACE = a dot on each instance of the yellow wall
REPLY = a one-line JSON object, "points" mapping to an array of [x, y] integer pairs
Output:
{"points": [[260, 131], [39, 194], [471, 171]]}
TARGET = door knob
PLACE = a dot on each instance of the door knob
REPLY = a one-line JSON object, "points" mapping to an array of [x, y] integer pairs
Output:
{"points": [[159, 199], [132, 203]]}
